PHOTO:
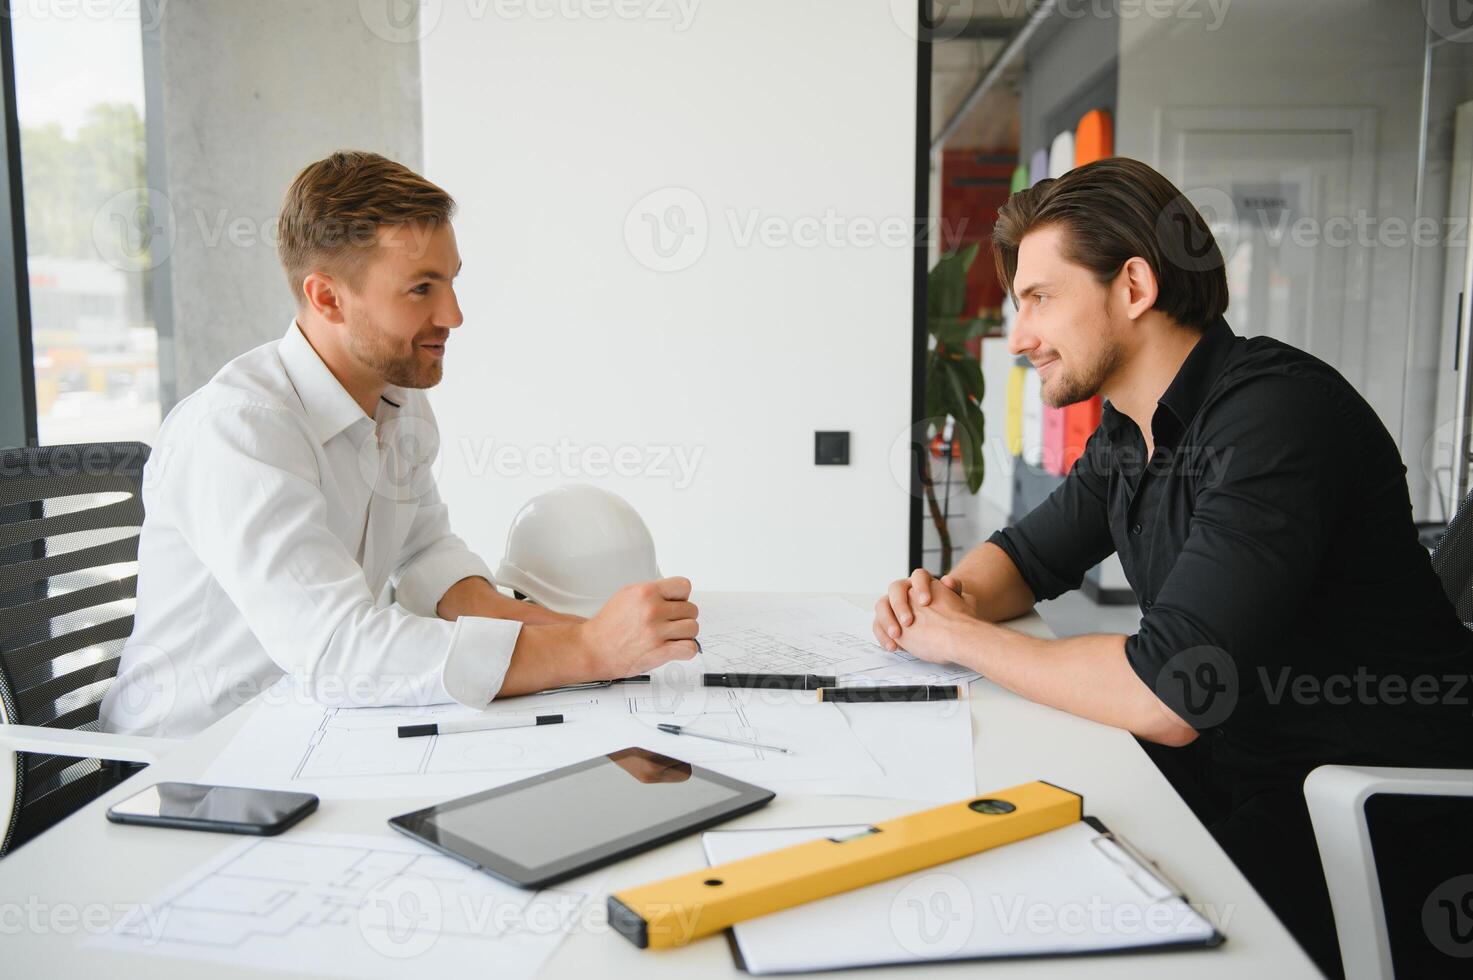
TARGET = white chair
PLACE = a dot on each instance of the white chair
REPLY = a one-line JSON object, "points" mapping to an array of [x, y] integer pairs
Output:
{"points": [[1337, 798]]}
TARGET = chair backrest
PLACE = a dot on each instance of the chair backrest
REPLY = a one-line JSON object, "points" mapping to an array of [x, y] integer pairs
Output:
{"points": [[69, 522], [1453, 562]]}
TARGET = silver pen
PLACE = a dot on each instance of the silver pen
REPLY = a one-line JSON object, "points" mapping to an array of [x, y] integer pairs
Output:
{"points": [[681, 730]]}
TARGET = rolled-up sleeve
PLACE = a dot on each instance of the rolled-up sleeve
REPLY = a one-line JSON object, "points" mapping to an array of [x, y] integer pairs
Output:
{"points": [[244, 487], [1069, 533], [1260, 530]]}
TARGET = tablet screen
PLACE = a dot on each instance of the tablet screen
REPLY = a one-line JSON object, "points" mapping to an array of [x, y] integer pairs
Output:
{"points": [[570, 820]]}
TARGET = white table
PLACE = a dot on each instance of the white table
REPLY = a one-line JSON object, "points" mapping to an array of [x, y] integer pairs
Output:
{"points": [[85, 864]]}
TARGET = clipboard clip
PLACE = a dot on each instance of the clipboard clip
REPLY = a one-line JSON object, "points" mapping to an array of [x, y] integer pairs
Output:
{"points": [[1172, 889]]}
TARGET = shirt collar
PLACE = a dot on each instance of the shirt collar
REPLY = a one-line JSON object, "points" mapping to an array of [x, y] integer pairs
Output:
{"points": [[1188, 390], [330, 409], [1186, 393]]}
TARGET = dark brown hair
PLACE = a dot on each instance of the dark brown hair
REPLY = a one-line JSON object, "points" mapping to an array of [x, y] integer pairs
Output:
{"points": [[333, 210], [1111, 211]]}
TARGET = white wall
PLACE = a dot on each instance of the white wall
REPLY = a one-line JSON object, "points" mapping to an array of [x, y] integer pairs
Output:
{"points": [[549, 132]]}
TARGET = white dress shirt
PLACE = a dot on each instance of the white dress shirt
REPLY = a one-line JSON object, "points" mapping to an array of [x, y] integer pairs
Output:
{"points": [[276, 513]]}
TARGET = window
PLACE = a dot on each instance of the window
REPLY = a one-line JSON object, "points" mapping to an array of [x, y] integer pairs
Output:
{"points": [[89, 221]]}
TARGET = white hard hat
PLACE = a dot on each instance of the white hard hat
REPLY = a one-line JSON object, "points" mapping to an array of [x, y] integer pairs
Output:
{"points": [[571, 548]]}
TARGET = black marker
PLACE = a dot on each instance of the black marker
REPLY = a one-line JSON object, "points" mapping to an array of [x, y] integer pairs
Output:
{"points": [[479, 725], [899, 692], [775, 682]]}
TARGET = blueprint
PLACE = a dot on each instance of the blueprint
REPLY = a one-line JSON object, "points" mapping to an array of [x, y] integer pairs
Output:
{"points": [[791, 635], [354, 906], [910, 751], [291, 743]]}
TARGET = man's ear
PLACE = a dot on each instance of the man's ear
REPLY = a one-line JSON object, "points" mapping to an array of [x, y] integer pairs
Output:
{"points": [[323, 296], [1136, 285]]}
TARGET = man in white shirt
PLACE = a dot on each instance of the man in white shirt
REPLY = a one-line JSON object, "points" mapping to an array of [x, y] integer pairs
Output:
{"points": [[285, 495]]}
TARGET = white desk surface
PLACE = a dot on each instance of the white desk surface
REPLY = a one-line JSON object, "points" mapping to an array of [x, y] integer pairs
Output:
{"points": [[85, 861]]}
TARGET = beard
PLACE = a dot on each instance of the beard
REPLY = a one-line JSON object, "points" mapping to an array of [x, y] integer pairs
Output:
{"points": [[385, 355], [1070, 387]]}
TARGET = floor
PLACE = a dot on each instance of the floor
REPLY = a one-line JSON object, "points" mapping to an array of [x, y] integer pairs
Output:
{"points": [[971, 520]]}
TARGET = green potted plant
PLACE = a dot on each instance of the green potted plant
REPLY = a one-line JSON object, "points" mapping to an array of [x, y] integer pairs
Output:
{"points": [[953, 385]]}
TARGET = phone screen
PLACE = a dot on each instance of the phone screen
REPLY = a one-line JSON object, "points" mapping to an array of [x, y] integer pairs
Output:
{"points": [[214, 804]]}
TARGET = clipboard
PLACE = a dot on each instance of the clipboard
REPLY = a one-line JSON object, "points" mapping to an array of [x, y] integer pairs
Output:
{"points": [[885, 924]]}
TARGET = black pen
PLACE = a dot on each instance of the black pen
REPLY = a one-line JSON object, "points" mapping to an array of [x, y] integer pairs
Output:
{"points": [[898, 692], [591, 685], [776, 682]]}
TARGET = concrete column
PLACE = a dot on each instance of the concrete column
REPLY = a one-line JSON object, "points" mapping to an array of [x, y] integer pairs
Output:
{"points": [[239, 97]]}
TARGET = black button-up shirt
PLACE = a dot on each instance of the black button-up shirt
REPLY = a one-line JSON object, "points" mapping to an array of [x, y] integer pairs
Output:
{"points": [[1288, 610]]}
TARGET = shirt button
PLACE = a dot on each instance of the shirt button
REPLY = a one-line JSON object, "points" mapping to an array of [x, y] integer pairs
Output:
{"points": [[1135, 529], [1146, 604]]}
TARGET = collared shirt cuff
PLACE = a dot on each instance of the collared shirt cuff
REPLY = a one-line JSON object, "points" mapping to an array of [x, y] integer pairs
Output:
{"points": [[480, 653], [427, 580]]}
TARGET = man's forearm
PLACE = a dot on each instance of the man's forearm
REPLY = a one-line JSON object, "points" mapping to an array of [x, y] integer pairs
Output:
{"points": [[1083, 675], [477, 597], [989, 576]]}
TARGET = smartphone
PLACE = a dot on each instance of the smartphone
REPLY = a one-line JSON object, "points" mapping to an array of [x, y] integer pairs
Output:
{"points": [[222, 809]]}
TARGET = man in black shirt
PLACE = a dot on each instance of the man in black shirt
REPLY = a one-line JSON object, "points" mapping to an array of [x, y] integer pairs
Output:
{"points": [[1290, 617]]}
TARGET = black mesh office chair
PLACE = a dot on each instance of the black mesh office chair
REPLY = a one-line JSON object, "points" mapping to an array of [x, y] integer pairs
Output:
{"points": [[69, 519], [1339, 798], [1453, 561]]}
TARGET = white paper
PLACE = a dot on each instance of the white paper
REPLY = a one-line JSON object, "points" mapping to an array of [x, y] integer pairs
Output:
{"points": [[924, 748], [344, 753], [1066, 891], [355, 906], [823, 635]]}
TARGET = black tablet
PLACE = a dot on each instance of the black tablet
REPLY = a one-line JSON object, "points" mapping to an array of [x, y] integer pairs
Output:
{"points": [[539, 831]]}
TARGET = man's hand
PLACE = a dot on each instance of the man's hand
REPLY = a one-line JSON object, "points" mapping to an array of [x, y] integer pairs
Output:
{"points": [[641, 627], [896, 610], [938, 632]]}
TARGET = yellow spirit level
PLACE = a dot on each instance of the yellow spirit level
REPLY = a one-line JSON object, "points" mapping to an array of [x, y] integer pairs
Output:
{"points": [[677, 910]]}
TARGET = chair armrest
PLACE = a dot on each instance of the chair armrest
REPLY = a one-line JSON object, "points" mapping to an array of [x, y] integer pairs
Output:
{"points": [[1337, 808], [83, 745]]}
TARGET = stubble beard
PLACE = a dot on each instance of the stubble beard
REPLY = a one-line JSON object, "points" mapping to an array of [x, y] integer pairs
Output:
{"points": [[379, 353]]}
